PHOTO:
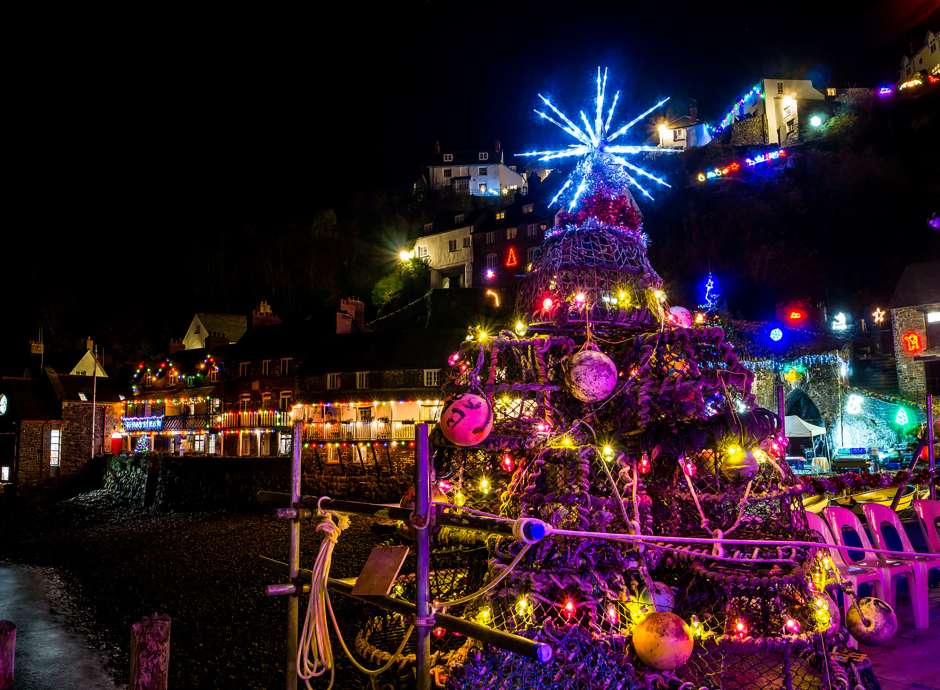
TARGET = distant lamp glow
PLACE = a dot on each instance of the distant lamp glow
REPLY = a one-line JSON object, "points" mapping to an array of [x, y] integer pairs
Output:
{"points": [[815, 121], [879, 316], [854, 404], [608, 453], [580, 299], [776, 335], [840, 322], [484, 486], [405, 255], [663, 130], [788, 101]]}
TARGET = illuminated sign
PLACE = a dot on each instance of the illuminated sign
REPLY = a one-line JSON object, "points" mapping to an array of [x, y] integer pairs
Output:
{"points": [[143, 423], [512, 260], [912, 342]]}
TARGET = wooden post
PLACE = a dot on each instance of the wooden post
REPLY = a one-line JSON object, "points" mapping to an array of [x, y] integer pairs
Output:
{"points": [[7, 653], [150, 653]]}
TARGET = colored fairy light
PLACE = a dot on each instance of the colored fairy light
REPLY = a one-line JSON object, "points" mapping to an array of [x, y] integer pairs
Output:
{"points": [[444, 485], [594, 145], [696, 625], [484, 486], [910, 84], [644, 464], [608, 453], [438, 632], [735, 166], [792, 626], [853, 404], [453, 359], [507, 462], [568, 608], [484, 615], [567, 442], [522, 606], [482, 334], [612, 614], [547, 304], [740, 628], [885, 91], [520, 328], [776, 335], [459, 498], [489, 274], [580, 299]]}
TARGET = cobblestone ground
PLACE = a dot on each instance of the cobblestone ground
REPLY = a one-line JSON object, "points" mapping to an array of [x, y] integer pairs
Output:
{"points": [[203, 569]]}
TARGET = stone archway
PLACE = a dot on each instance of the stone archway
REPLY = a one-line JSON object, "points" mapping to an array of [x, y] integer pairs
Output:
{"points": [[799, 403]]}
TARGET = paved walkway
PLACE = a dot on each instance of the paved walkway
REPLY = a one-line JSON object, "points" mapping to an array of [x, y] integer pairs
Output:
{"points": [[48, 655], [911, 661]]}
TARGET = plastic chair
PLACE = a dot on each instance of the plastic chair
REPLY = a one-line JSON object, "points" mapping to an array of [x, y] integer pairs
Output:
{"points": [[856, 574], [878, 516], [929, 513], [841, 519]]}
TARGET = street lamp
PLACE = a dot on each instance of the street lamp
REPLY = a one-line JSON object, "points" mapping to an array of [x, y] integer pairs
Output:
{"points": [[406, 255], [815, 121]]}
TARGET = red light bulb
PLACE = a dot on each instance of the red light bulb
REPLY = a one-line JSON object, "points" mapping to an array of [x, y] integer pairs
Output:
{"points": [[548, 303]]}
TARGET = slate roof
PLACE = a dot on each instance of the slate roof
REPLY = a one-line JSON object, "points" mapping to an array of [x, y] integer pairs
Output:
{"points": [[68, 388], [919, 284], [232, 326]]}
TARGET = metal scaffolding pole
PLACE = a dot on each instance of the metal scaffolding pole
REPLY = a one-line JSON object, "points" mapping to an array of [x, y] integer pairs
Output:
{"points": [[931, 448], [422, 520], [293, 600]]}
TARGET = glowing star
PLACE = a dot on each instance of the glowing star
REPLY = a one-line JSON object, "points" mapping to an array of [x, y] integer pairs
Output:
{"points": [[594, 146], [878, 316]]}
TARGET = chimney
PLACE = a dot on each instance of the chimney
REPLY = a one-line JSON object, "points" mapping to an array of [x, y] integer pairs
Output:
{"points": [[351, 315], [499, 146], [437, 148], [693, 110], [89, 343], [176, 345], [262, 316]]}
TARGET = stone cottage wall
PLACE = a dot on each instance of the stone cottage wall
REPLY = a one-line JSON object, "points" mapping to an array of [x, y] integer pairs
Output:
{"points": [[33, 453], [911, 377]]}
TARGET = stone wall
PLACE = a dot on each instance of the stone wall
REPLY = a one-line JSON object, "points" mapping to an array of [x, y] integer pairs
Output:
{"points": [[76, 434], [33, 453], [748, 132], [911, 378]]}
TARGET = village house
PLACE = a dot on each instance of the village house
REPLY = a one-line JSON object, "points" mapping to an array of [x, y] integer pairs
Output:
{"points": [[775, 111], [446, 246], [925, 61], [481, 172], [684, 132], [506, 242], [213, 330], [915, 322]]}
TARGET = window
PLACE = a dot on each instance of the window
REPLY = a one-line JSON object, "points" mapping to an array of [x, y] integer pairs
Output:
{"points": [[458, 219], [284, 400], [212, 444], [365, 414], [532, 230], [831, 91], [491, 237], [428, 227], [431, 378], [484, 156], [447, 173], [265, 401], [678, 134], [214, 374], [55, 443], [285, 365], [528, 208], [284, 444], [533, 253], [243, 368], [483, 172], [482, 188], [500, 215], [511, 233], [452, 245], [466, 242], [199, 443], [5, 473], [491, 261], [780, 87], [332, 382], [933, 333], [362, 379], [265, 367], [82, 397], [422, 251], [448, 157], [791, 126], [244, 402]]}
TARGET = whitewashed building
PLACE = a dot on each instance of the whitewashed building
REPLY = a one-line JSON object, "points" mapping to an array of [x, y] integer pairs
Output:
{"points": [[474, 173], [926, 59], [448, 253]]}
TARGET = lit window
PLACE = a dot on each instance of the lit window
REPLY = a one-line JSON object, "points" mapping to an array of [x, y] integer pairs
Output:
{"points": [[533, 253], [82, 397], [332, 382], [532, 230], [265, 367], [458, 219], [428, 227], [482, 188], [362, 379], [243, 368], [484, 156], [448, 157], [678, 134], [284, 400], [214, 374], [55, 442], [285, 365], [265, 400], [244, 402], [452, 245], [284, 444], [199, 444], [511, 233], [4, 473], [500, 215], [791, 126], [780, 87], [431, 377], [491, 261], [933, 317], [528, 208], [831, 91]]}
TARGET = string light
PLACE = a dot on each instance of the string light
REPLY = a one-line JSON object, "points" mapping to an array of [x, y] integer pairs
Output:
{"points": [[612, 614], [507, 462], [792, 626], [484, 615], [547, 304], [735, 166], [484, 486], [608, 453], [568, 608], [741, 629], [520, 328], [522, 606]]}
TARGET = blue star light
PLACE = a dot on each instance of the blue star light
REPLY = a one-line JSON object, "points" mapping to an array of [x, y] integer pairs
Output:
{"points": [[595, 146]]}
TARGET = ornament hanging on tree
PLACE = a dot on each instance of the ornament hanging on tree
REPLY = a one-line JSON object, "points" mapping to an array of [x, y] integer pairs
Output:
{"points": [[466, 419], [680, 316], [592, 375], [872, 621], [737, 463], [663, 640], [661, 599]]}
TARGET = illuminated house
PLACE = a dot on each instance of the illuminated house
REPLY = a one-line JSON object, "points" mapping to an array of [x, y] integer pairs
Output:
{"points": [[363, 393], [474, 173], [446, 246], [915, 320], [684, 132], [773, 111], [506, 241], [925, 61]]}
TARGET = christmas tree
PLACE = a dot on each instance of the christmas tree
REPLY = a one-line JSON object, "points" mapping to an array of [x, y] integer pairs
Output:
{"points": [[617, 421]]}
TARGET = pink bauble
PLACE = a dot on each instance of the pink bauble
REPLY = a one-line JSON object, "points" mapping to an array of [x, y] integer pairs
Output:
{"points": [[663, 640], [680, 316], [466, 419], [592, 376], [879, 625]]}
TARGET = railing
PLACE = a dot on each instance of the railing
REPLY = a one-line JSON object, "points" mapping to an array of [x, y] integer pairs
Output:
{"points": [[182, 422], [376, 430], [257, 419]]}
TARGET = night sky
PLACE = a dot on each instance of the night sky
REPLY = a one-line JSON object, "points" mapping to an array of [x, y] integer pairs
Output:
{"points": [[132, 134]]}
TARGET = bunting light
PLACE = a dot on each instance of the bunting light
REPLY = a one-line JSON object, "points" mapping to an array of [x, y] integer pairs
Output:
{"points": [[735, 166]]}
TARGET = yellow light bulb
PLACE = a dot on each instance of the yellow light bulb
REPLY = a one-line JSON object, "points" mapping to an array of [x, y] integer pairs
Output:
{"points": [[522, 606], [459, 498], [608, 453], [484, 615], [484, 485], [520, 327]]}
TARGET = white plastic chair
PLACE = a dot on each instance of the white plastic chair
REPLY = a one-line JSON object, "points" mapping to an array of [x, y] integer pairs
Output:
{"points": [[929, 513], [878, 516], [856, 574]]}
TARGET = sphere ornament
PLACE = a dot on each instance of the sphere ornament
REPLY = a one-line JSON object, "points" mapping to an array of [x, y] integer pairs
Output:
{"points": [[592, 375], [737, 463], [661, 599], [466, 419], [663, 641], [872, 621], [680, 316]]}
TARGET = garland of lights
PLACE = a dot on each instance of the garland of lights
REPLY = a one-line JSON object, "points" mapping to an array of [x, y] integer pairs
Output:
{"points": [[735, 166]]}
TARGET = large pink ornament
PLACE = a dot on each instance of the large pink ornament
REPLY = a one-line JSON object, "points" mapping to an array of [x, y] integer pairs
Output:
{"points": [[663, 640], [680, 316], [592, 375], [466, 419], [877, 623]]}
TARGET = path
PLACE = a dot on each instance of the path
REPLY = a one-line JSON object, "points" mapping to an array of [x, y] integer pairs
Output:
{"points": [[910, 661], [48, 655]]}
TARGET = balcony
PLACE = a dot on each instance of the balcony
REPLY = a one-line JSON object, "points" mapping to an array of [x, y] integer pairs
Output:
{"points": [[183, 422], [376, 430], [259, 419]]}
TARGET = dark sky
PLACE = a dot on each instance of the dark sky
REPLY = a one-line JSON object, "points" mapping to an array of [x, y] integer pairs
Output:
{"points": [[130, 133]]}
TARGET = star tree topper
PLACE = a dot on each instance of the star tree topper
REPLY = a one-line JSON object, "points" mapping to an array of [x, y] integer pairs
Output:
{"points": [[600, 157]]}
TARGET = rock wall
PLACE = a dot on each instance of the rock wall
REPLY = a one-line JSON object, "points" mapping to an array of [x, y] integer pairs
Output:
{"points": [[912, 380]]}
